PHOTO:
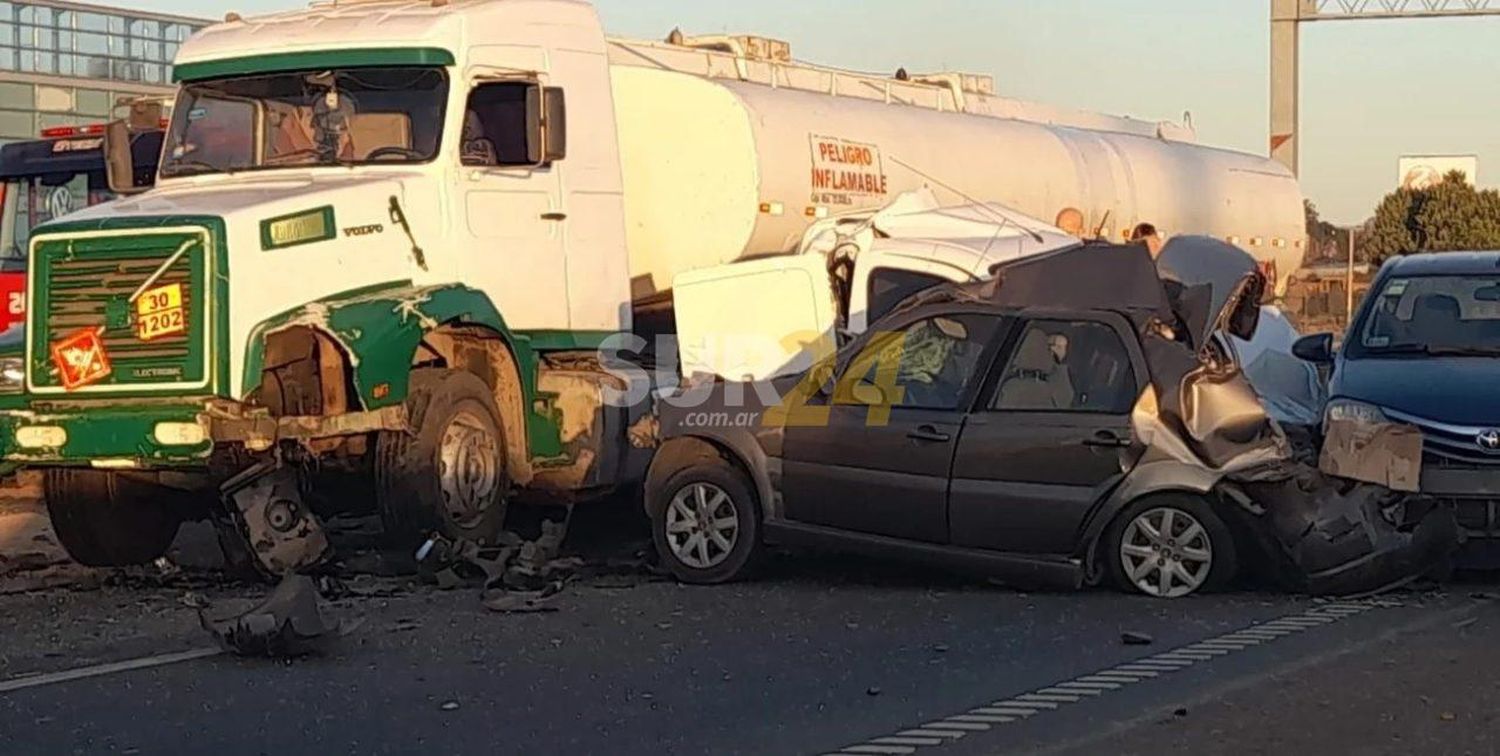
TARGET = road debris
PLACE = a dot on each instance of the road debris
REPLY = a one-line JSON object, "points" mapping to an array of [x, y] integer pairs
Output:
{"points": [[288, 624], [265, 503], [1133, 638], [521, 602]]}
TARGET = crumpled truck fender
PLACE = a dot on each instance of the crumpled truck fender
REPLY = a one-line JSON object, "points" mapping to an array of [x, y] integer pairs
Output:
{"points": [[379, 328]]}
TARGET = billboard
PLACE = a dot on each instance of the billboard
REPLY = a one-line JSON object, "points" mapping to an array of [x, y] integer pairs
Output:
{"points": [[1422, 171]]}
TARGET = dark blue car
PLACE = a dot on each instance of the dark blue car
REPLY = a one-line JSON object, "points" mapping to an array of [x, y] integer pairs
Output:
{"points": [[1425, 350]]}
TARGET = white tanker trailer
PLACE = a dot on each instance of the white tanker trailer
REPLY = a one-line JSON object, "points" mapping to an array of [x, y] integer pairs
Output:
{"points": [[390, 238], [760, 145]]}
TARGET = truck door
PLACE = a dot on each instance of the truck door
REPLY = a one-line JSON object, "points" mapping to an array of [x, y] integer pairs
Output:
{"points": [[512, 208], [880, 463], [1050, 436]]}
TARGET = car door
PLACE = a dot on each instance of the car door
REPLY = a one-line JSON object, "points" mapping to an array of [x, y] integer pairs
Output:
{"points": [[1050, 436], [883, 469]]}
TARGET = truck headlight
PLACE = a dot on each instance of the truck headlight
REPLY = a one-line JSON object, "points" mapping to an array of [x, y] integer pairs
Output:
{"points": [[1348, 409], [12, 374]]}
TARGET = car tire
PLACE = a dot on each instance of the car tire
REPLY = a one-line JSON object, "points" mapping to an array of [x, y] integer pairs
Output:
{"points": [[448, 474], [103, 519], [1196, 554], [705, 522]]}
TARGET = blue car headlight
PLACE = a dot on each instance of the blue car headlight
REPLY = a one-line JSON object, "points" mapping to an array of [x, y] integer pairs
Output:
{"points": [[1349, 409]]}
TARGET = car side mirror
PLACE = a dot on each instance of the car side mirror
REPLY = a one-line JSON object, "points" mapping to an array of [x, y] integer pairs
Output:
{"points": [[1315, 348], [119, 163]]}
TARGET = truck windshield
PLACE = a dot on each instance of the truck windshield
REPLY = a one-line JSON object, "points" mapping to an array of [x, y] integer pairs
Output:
{"points": [[307, 118], [1433, 315]]}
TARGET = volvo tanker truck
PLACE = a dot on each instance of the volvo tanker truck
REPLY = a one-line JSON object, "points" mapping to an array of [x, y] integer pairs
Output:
{"points": [[388, 240]]}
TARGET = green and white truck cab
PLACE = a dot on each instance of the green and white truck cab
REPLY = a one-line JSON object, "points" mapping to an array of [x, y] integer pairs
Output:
{"points": [[371, 236]]}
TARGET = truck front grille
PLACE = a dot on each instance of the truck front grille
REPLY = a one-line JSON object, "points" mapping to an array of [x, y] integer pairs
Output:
{"points": [[86, 281]]}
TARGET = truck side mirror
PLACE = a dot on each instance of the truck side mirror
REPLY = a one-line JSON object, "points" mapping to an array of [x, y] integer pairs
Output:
{"points": [[554, 124], [119, 164], [535, 139], [546, 125], [1317, 348]]}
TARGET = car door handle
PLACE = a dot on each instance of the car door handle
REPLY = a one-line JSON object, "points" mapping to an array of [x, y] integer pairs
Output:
{"points": [[1107, 439], [555, 216], [929, 433]]}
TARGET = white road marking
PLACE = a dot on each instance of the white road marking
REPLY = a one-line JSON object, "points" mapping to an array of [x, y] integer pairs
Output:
{"points": [[985, 718], [959, 725], [908, 740], [950, 734], [1097, 684], [1005, 711], [1092, 685], [1031, 704], [98, 670]]}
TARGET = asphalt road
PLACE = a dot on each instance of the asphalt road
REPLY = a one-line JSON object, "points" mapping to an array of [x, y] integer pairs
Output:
{"points": [[819, 655]]}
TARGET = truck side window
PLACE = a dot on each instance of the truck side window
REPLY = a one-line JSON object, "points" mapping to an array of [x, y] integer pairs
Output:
{"points": [[494, 128], [1063, 366], [888, 286]]}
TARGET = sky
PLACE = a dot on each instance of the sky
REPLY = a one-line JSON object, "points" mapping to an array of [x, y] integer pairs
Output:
{"points": [[1371, 90]]}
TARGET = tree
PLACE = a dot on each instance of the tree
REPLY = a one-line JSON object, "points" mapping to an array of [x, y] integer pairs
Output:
{"points": [[1448, 216], [1323, 238]]}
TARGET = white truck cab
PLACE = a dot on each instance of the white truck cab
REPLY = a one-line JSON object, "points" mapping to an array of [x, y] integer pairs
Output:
{"points": [[847, 272]]}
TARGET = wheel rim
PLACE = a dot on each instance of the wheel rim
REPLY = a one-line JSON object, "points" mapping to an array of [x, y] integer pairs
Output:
{"points": [[702, 525], [1166, 552], [468, 468]]}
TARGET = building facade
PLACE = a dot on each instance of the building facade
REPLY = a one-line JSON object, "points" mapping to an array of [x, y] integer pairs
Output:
{"points": [[69, 64], [65, 64]]}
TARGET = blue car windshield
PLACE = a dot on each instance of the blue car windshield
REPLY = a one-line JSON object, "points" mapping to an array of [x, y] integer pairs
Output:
{"points": [[1433, 315]]}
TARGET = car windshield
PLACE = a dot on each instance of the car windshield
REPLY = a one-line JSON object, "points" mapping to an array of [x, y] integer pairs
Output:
{"points": [[306, 118], [1434, 315]]}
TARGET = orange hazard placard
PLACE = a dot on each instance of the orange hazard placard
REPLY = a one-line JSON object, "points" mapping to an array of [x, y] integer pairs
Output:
{"points": [[80, 358]]}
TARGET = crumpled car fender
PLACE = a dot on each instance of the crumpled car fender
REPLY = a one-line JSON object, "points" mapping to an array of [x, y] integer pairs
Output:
{"points": [[1151, 477]]}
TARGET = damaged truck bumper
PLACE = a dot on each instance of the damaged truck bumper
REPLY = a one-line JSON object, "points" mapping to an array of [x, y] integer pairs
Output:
{"points": [[109, 435]]}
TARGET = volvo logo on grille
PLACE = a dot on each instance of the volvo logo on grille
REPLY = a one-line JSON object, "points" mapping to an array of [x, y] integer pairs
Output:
{"points": [[1489, 440]]}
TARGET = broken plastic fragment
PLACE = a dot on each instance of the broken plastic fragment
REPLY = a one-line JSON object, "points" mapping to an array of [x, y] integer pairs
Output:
{"points": [[289, 623]]}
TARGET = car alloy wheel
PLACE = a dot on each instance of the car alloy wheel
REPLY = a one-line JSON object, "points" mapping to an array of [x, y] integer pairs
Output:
{"points": [[1166, 552], [702, 525]]}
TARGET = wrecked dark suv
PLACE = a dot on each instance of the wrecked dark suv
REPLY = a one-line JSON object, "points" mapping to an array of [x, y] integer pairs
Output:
{"points": [[1073, 419]]}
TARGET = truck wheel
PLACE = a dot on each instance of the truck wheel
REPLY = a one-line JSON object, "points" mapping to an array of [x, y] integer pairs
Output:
{"points": [[1169, 547], [106, 520], [449, 474], [705, 522]]}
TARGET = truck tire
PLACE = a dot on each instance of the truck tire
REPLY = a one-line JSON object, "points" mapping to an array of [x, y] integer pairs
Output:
{"points": [[1169, 547], [103, 519], [705, 522], [448, 474]]}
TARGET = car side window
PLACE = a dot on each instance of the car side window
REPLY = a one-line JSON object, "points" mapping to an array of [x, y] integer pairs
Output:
{"points": [[888, 286], [925, 365], [1067, 366], [495, 126]]}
